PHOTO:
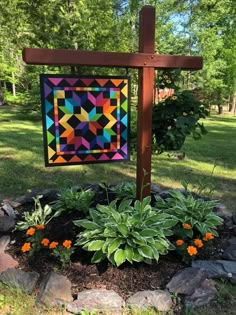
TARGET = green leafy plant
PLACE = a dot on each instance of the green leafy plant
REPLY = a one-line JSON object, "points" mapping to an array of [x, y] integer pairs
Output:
{"points": [[105, 187], [34, 235], [177, 115], [86, 312], [72, 199], [124, 190], [39, 215], [198, 213], [126, 233], [62, 252], [204, 187], [2, 300], [196, 222]]}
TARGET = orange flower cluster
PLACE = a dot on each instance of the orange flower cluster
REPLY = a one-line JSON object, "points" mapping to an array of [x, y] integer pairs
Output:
{"points": [[40, 227], [209, 236], [187, 226], [67, 244], [53, 245], [26, 247], [192, 250], [198, 243], [45, 242], [179, 242], [30, 231]]}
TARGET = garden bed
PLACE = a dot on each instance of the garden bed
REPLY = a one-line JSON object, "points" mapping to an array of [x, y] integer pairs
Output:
{"points": [[125, 279]]}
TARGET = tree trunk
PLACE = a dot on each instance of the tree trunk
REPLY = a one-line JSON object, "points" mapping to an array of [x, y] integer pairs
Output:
{"points": [[13, 84], [232, 104], [1, 95], [220, 109]]}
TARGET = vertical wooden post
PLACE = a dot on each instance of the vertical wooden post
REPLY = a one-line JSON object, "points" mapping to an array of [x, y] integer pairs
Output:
{"points": [[145, 102]]}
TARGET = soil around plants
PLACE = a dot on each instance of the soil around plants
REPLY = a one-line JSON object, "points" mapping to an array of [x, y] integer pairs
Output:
{"points": [[125, 280]]}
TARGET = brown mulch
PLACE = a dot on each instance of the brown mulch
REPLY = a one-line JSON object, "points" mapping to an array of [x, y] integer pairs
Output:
{"points": [[125, 280]]}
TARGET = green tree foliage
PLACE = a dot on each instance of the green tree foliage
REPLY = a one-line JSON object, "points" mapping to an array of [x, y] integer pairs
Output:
{"points": [[196, 27]]}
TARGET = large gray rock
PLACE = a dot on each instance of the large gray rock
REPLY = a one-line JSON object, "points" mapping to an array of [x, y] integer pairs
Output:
{"points": [[158, 299], [234, 219], [6, 223], [26, 281], [9, 210], [217, 268], [54, 290], [156, 189], [7, 261], [12, 203], [99, 300], [231, 241], [47, 195], [222, 211], [230, 253], [203, 295], [186, 281], [4, 241]]}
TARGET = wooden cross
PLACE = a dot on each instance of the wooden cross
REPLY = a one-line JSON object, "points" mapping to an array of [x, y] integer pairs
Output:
{"points": [[146, 61]]}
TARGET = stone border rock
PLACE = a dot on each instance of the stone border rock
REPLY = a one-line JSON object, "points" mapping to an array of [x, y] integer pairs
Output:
{"points": [[194, 283]]}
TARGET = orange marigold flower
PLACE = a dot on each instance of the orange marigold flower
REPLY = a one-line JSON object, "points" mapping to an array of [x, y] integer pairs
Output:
{"points": [[30, 231], [187, 226], [198, 243], [67, 244], [45, 242], [205, 239], [179, 242], [192, 250], [209, 236], [40, 226], [53, 245], [26, 247]]}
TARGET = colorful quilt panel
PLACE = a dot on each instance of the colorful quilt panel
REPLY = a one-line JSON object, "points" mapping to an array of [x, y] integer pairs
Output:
{"points": [[85, 119]]}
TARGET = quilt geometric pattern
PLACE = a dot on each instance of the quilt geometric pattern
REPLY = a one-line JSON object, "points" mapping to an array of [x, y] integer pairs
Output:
{"points": [[85, 119]]}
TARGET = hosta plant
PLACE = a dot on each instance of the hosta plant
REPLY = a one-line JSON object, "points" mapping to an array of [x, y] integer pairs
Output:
{"points": [[126, 233], [72, 199], [40, 215], [197, 223], [124, 190], [197, 213]]}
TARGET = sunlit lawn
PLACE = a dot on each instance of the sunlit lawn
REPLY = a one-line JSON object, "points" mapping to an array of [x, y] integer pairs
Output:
{"points": [[22, 162], [209, 161]]}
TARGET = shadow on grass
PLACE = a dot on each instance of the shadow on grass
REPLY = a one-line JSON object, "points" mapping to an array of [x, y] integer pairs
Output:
{"points": [[22, 164]]}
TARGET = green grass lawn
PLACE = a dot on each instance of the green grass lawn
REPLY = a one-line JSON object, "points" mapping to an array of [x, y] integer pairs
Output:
{"points": [[210, 161], [22, 163]]}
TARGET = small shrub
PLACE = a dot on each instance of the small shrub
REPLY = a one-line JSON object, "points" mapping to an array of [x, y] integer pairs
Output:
{"points": [[34, 235], [62, 251], [126, 233], [37, 241], [176, 116], [196, 222], [124, 190], [38, 216], [71, 199]]}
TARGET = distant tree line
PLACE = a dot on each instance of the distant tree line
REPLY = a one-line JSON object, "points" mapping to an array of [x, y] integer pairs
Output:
{"points": [[189, 27]]}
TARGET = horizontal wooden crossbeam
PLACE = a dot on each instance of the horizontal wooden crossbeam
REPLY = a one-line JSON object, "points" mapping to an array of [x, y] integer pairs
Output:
{"points": [[43, 56]]}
